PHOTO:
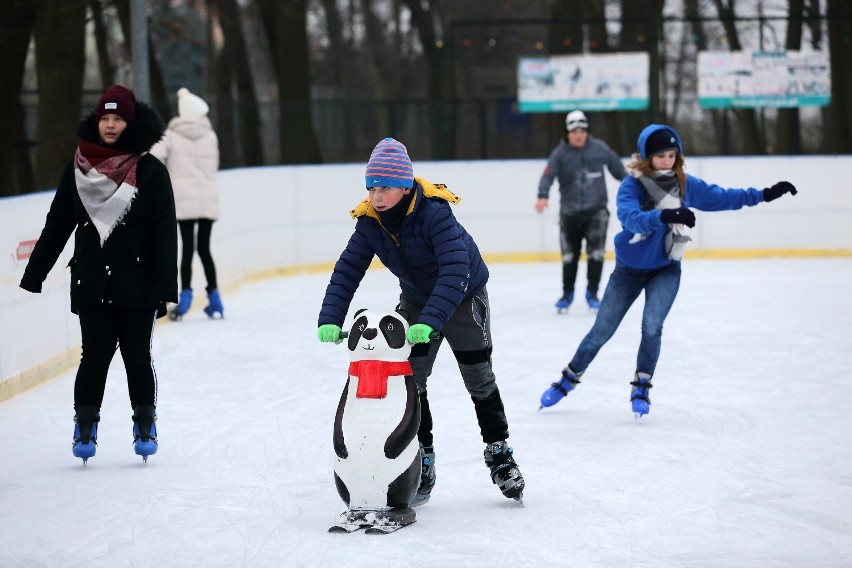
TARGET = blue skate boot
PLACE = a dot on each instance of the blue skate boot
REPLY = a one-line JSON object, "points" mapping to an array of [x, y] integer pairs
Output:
{"points": [[427, 475], [85, 433], [639, 395], [592, 300], [561, 388], [214, 304], [183, 304], [144, 431], [504, 470], [563, 303]]}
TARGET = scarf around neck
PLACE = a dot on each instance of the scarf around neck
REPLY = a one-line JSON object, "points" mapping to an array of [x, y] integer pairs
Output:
{"points": [[663, 189], [392, 218], [373, 376], [106, 183]]}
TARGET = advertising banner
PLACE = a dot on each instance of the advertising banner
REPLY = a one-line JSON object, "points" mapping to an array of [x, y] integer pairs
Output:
{"points": [[779, 79], [592, 82]]}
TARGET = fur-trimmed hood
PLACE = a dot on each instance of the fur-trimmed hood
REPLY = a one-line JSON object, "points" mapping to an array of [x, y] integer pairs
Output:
{"points": [[145, 130]]}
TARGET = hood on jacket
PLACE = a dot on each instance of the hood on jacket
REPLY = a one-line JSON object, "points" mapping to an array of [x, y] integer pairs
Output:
{"points": [[146, 130], [191, 128]]}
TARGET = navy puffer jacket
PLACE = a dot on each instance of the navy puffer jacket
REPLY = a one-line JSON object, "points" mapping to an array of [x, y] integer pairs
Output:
{"points": [[437, 262]]}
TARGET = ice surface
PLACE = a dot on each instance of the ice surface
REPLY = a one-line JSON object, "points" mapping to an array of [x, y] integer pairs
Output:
{"points": [[744, 460]]}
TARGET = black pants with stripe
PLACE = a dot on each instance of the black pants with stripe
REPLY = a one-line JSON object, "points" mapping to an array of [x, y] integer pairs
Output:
{"points": [[104, 329]]}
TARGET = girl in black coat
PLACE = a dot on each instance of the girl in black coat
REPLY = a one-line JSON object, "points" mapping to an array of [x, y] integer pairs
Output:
{"points": [[124, 267]]}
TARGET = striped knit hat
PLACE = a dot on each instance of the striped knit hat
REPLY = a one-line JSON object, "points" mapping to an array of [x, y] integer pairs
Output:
{"points": [[389, 166]]}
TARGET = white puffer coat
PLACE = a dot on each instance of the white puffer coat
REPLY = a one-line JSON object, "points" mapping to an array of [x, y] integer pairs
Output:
{"points": [[190, 151]]}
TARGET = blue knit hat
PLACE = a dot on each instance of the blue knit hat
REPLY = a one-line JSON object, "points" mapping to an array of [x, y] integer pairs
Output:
{"points": [[389, 166]]}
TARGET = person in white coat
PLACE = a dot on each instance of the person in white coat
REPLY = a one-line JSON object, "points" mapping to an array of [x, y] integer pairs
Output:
{"points": [[190, 151]]}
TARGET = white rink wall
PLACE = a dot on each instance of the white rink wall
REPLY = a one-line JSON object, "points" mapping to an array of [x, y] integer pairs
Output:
{"points": [[291, 218]]}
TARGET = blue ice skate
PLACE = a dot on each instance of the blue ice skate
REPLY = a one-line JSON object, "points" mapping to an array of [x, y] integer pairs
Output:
{"points": [[215, 304], [592, 300], [561, 388], [563, 303], [145, 431], [639, 395], [183, 304], [85, 433]]}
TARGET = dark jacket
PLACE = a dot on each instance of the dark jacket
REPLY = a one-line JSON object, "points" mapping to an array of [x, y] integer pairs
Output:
{"points": [[582, 186], [137, 265], [437, 262]]}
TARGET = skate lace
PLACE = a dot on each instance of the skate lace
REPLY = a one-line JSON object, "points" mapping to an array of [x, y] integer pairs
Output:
{"points": [[640, 392]]}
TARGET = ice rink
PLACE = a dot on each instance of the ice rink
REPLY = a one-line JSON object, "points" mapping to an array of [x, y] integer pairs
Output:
{"points": [[745, 459]]}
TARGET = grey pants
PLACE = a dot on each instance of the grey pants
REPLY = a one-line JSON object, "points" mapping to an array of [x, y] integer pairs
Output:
{"points": [[468, 333]]}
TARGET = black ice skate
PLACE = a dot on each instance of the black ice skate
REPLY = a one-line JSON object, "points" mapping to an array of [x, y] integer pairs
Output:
{"points": [[504, 470], [427, 476]]}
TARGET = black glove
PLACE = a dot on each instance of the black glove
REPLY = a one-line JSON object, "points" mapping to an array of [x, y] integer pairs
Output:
{"points": [[779, 189], [680, 215]]}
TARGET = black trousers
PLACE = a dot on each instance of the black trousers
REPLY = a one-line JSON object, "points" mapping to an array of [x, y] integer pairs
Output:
{"points": [[105, 328], [189, 242], [591, 226]]}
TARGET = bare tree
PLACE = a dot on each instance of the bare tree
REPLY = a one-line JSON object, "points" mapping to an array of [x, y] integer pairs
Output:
{"points": [[788, 139], [746, 117], [17, 19], [838, 123], [101, 40], [159, 98], [235, 56], [641, 30], [286, 30], [60, 42], [427, 19]]}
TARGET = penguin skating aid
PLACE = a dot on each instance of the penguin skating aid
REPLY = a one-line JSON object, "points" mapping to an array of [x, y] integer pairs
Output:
{"points": [[377, 465]]}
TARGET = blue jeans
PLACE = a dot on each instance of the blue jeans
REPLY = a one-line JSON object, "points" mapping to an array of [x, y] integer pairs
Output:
{"points": [[624, 286]]}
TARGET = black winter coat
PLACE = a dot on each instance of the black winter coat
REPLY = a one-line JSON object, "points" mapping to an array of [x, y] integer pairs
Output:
{"points": [[137, 265]]}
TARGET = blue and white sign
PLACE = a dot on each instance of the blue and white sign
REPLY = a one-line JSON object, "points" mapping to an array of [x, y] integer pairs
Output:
{"points": [[780, 79], [595, 82]]}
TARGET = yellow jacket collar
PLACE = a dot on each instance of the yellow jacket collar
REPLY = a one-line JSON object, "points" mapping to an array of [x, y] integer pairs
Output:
{"points": [[430, 189]]}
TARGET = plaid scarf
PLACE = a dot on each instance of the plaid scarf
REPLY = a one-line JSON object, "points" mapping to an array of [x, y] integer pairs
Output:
{"points": [[664, 192], [106, 183]]}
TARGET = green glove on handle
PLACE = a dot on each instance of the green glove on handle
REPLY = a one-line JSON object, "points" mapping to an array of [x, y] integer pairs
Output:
{"points": [[328, 333], [419, 333]]}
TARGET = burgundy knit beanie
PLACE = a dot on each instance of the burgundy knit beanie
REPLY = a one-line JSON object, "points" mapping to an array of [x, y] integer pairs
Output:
{"points": [[117, 100]]}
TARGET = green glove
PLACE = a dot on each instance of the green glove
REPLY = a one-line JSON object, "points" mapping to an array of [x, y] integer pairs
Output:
{"points": [[419, 333], [328, 332]]}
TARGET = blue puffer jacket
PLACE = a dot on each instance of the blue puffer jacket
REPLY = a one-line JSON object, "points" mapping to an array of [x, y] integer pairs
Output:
{"points": [[437, 262], [649, 252]]}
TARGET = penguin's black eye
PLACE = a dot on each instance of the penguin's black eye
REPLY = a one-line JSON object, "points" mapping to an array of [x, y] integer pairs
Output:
{"points": [[394, 333], [357, 330]]}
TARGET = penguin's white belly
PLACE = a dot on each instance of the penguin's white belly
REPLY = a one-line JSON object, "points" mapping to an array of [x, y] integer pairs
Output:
{"points": [[366, 424]]}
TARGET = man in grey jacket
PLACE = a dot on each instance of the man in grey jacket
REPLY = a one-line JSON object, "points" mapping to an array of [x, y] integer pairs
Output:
{"points": [[578, 163]]}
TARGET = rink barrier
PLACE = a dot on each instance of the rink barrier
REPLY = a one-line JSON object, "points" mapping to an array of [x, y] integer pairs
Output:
{"points": [[58, 365]]}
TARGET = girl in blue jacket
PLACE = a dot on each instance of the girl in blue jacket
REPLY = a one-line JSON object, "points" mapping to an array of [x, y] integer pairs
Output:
{"points": [[406, 221], [653, 208]]}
